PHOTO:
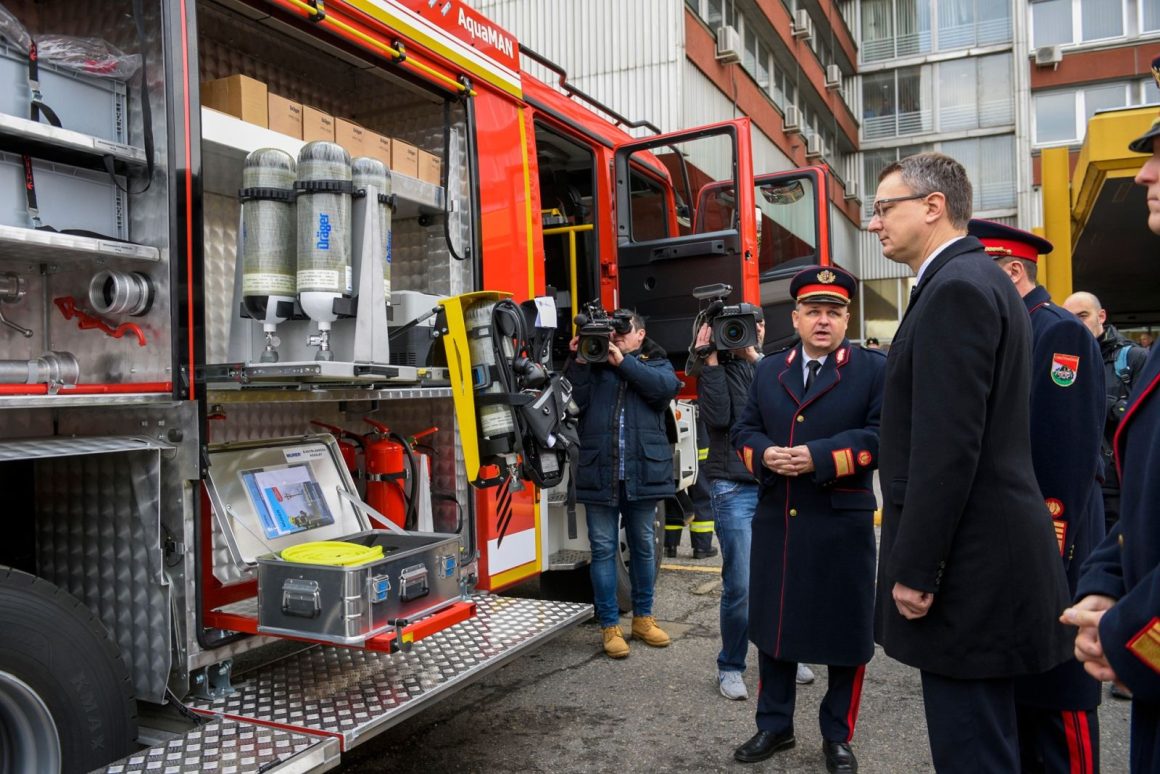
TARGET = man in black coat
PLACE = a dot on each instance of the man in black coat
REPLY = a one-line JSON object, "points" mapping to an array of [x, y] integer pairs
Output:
{"points": [[1119, 592], [809, 431], [1057, 710], [969, 576]]}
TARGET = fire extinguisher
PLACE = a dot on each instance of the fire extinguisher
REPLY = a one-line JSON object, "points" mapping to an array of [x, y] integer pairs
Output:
{"points": [[350, 446], [389, 464]]}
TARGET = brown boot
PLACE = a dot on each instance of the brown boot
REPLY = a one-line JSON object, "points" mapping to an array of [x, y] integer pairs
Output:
{"points": [[645, 628], [614, 644]]}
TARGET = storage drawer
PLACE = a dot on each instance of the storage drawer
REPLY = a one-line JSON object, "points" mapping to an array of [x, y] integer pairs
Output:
{"points": [[68, 198], [94, 106], [417, 575]]}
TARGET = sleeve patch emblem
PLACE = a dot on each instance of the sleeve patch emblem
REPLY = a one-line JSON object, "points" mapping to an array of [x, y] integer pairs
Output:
{"points": [[1146, 645], [864, 458], [1064, 369], [1054, 507], [747, 458], [843, 462]]}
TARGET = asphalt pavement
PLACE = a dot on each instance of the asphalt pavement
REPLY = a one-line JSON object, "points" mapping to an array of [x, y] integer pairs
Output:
{"points": [[568, 708]]}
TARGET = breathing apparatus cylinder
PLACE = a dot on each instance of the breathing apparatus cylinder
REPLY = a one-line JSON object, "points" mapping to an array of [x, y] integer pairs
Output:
{"points": [[268, 239], [324, 270], [366, 171], [497, 426]]}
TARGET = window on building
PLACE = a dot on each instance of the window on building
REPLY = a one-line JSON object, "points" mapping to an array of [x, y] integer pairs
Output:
{"points": [[967, 23], [896, 102], [1060, 22], [990, 165], [1062, 116], [900, 28], [1149, 15]]}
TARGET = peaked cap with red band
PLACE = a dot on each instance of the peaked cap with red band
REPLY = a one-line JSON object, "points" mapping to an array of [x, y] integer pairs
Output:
{"points": [[823, 284], [1002, 241]]}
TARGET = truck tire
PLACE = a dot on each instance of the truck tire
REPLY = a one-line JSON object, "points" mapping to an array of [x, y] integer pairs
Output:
{"points": [[66, 698], [623, 584]]}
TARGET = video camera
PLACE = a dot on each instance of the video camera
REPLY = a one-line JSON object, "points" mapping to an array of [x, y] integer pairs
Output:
{"points": [[595, 329], [734, 326]]}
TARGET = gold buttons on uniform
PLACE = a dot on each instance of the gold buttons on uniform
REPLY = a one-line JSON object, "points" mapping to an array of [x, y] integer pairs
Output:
{"points": [[801, 418], [793, 511]]}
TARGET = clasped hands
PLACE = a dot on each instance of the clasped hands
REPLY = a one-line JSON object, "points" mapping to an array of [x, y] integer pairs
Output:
{"points": [[1086, 615], [788, 460]]}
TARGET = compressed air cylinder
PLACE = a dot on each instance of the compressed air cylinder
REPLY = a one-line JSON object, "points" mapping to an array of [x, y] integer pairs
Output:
{"points": [[495, 420], [269, 248], [367, 172], [324, 270]]}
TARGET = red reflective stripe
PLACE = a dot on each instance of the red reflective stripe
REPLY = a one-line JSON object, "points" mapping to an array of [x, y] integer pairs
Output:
{"points": [[855, 701], [1069, 731], [1085, 737]]}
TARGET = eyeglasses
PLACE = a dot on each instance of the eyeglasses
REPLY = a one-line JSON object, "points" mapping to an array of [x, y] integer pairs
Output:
{"points": [[880, 211]]}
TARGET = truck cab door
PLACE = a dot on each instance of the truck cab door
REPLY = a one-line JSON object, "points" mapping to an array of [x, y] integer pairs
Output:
{"points": [[668, 243], [793, 231]]}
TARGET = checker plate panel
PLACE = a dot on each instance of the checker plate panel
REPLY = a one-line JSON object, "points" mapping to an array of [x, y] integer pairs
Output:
{"points": [[228, 746], [354, 694]]}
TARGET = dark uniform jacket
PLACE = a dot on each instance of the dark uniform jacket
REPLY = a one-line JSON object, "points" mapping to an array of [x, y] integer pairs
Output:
{"points": [[642, 387], [1126, 566], [1118, 387], [722, 392], [963, 517], [1067, 417], [811, 587]]}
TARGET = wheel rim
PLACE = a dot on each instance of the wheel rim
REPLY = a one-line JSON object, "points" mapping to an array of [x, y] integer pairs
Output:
{"points": [[29, 740]]}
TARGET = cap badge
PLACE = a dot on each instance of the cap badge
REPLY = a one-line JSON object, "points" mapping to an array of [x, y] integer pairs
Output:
{"points": [[826, 277]]}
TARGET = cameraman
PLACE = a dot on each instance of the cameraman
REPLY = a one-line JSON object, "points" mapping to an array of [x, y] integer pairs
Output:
{"points": [[626, 467]]}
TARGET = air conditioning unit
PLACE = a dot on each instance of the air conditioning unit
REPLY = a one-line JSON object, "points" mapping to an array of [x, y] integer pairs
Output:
{"points": [[815, 148], [833, 77], [1048, 55], [852, 191], [803, 25], [793, 119], [728, 44]]}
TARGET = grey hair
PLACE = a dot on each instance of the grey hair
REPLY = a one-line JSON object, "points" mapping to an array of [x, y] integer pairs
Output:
{"points": [[927, 173]]}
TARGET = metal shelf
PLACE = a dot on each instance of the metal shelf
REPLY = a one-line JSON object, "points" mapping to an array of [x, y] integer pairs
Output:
{"points": [[50, 247], [21, 135], [225, 142], [62, 400]]}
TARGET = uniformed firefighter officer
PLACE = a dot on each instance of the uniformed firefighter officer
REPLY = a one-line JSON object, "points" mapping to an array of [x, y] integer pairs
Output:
{"points": [[700, 506], [1119, 592], [1056, 711], [809, 432]]}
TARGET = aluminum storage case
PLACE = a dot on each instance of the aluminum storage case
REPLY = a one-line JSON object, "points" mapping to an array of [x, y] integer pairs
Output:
{"points": [[417, 575], [269, 496]]}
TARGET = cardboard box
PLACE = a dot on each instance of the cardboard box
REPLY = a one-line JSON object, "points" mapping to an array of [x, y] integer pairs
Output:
{"points": [[377, 146], [350, 136], [404, 158], [285, 116], [317, 125], [430, 167], [239, 96]]}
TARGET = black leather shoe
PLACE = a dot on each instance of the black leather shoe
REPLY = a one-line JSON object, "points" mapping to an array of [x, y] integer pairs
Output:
{"points": [[839, 758], [708, 553], [763, 745], [671, 552]]}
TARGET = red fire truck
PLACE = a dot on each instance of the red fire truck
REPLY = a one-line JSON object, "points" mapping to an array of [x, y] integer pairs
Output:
{"points": [[251, 253]]}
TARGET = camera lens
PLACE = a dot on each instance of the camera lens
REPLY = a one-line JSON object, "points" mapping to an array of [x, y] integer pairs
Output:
{"points": [[733, 333], [593, 348]]}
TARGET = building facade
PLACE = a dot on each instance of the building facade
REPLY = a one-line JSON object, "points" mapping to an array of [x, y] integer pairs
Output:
{"points": [[860, 83]]}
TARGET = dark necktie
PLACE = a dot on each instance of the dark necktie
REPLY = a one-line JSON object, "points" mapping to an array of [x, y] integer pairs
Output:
{"points": [[813, 367]]}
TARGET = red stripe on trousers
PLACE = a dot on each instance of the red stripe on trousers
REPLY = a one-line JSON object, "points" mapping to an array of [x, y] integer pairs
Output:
{"points": [[855, 700], [1079, 743]]}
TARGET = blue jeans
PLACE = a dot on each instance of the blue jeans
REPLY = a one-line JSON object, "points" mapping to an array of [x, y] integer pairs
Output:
{"points": [[604, 536], [733, 505]]}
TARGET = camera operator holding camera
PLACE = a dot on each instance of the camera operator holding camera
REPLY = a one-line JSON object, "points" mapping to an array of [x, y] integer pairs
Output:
{"points": [[623, 383]]}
